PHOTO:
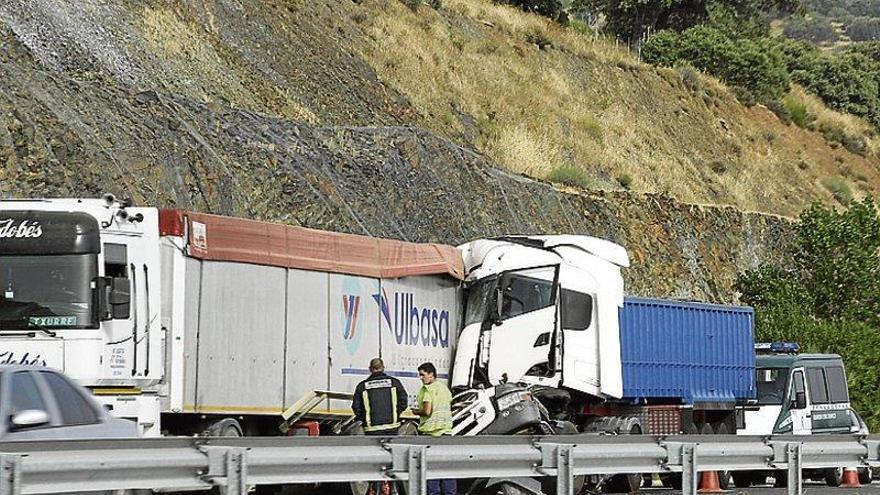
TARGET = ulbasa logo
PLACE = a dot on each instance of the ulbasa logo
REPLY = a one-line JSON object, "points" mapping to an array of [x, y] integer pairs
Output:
{"points": [[412, 325], [351, 308], [24, 229]]}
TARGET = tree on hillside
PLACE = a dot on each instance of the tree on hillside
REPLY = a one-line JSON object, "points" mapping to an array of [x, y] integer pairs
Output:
{"points": [[816, 29], [847, 82], [864, 29], [755, 64], [632, 18], [828, 296]]}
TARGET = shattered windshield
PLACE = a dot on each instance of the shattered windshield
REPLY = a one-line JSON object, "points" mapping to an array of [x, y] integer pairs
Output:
{"points": [[478, 300], [50, 291]]}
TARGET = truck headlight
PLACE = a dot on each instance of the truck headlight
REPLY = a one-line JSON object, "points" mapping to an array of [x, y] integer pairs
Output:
{"points": [[510, 400]]}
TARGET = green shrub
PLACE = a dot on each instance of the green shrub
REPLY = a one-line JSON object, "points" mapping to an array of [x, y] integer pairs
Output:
{"points": [[780, 110], [690, 77], [540, 38], [662, 49], [594, 129], [580, 27], [848, 83], [853, 143], [839, 189], [797, 111], [569, 175], [554, 9], [755, 64], [625, 181], [744, 96]]}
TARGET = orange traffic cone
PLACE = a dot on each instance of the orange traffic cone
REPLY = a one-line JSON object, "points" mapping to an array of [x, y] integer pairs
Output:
{"points": [[709, 482], [850, 479]]}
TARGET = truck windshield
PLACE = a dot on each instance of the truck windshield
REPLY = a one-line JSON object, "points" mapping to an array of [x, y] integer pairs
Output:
{"points": [[52, 291], [771, 385], [479, 297]]}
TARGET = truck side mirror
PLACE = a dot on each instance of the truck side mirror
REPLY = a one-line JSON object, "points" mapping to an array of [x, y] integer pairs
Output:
{"points": [[800, 400], [120, 298], [114, 298]]}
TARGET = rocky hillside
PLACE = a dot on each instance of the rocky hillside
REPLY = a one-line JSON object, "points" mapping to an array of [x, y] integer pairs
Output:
{"points": [[298, 111]]}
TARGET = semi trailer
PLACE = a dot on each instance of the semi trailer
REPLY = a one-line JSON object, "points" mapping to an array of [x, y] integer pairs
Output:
{"points": [[190, 323]]}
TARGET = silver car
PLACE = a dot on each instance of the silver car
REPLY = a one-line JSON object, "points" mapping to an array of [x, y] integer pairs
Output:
{"points": [[43, 404]]}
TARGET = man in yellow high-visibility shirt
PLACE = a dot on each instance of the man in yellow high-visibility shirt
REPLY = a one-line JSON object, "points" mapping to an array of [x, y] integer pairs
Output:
{"points": [[435, 418]]}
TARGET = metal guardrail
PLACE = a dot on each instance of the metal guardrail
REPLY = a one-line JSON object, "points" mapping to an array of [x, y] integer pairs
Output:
{"points": [[234, 464]]}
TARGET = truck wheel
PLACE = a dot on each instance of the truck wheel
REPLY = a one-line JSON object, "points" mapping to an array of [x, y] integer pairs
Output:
{"points": [[548, 484], [833, 476], [723, 476], [674, 480], [865, 476], [226, 427], [626, 483]]}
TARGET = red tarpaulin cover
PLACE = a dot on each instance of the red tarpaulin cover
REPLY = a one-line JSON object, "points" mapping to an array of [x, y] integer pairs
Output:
{"points": [[219, 238]]}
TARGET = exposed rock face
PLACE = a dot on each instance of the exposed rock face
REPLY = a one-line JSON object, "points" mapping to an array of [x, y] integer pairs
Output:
{"points": [[80, 122]]}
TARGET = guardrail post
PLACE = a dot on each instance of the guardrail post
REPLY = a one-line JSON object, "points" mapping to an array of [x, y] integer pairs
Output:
{"points": [[688, 469], [10, 474], [564, 477], [236, 472], [418, 469], [795, 463]]}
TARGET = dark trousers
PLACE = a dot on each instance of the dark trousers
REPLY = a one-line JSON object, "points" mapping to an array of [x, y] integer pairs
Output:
{"points": [[449, 487]]}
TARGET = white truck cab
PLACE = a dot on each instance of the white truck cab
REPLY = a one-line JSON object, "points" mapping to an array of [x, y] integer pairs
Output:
{"points": [[542, 310], [69, 271]]}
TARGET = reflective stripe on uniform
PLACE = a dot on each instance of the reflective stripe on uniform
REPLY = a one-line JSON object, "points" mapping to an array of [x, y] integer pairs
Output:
{"points": [[367, 408]]}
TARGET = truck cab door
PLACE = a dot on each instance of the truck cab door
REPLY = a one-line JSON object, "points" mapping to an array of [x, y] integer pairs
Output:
{"points": [[524, 322], [799, 404]]}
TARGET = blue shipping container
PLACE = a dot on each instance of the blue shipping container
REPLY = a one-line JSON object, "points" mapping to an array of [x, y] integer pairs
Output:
{"points": [[694, 352]]}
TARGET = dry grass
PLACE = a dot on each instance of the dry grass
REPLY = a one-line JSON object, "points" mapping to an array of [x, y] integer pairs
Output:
{"points": [[582, 102], [190, 65], [824, 117]]}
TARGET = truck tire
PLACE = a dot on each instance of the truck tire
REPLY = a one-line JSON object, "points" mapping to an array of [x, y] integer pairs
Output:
{"points": [[833, 476], [865, 476], [674, 480], [226, 427], [626, 483], [548, 484]]}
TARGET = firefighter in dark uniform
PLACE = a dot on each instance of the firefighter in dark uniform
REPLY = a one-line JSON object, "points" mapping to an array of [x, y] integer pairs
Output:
{"points": [[378, 401]]}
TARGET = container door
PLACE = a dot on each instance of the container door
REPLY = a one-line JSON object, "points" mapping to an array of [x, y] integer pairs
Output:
{"points": [[799, 404], [522, 334]]}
